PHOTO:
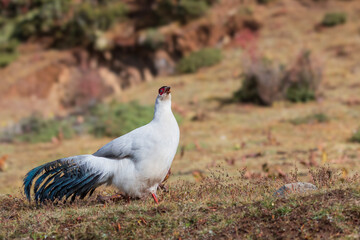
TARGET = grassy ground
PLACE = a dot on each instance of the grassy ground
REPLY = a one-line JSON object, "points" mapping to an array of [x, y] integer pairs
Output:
{"points": [[232, 157], [219, 207]]}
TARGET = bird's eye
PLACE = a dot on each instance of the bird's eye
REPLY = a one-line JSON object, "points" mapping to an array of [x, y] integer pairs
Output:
{"points": [[162, 90]]}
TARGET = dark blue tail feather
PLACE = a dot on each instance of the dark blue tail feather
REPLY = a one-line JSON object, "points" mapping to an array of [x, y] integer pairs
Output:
{"points": [[61, 178], [29, 179]]}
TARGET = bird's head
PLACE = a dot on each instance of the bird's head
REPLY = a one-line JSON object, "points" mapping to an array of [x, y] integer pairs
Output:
{"points": [[164, 93]]}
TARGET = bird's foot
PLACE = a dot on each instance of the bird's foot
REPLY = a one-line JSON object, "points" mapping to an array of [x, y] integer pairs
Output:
{"points": [[163, 187]]}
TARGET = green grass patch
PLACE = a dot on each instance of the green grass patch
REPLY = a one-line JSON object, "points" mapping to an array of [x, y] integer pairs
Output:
{"points": [[114, 119], [8, 52], [101, 120], [334, 18], [36, 129], [282, 211], [190, 9], [311, 119], [300, 93], [67, 22], [196, 60], [356, 136], [182, 11], [153, 39]]}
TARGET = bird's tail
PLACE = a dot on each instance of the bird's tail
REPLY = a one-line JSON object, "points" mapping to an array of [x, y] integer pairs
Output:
{"points": [[65, 177]]}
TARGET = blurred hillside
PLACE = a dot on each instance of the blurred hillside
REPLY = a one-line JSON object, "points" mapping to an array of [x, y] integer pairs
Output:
{"points": [[58, 55], [61, 59]]}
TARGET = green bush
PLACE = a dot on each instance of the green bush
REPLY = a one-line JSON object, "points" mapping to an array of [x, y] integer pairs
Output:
{"points": [[300, 93], [153, 39], [183, 10], [196, 60], [356, 136], [88, 21], [333, 19], [301, 81], [101, 120], [8, 52], [261, 83], [116, 119], [248, 91], [113, 120], [190, 9], [35, 129], [41, 17], [68, 22]]}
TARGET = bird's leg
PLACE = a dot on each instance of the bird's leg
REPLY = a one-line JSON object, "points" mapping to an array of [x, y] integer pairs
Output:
{"points": [[167, 176], [155, 198], [162, 184]]}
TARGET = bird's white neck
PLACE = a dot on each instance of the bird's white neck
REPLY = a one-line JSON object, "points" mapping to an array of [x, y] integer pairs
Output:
{"points": [[162, 109]]}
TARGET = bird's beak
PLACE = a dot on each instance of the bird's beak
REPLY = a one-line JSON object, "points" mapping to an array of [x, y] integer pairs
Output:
{"points": [[167, 90]]}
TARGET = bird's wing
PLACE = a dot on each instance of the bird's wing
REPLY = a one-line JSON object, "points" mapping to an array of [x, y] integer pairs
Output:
{"points": [[118, 148], [126, 145], [72, 176]]}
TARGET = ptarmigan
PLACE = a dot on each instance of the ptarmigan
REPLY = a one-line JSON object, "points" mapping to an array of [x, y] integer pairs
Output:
{"points": [[136, 163]]}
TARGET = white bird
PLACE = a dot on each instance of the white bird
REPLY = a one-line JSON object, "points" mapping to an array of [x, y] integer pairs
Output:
{"points": [[136, 163]]}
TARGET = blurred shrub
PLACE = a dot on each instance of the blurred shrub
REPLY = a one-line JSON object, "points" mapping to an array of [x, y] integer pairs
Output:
{"points": [[8, 45], [302, 80], [261, 82], [68, 22], [89, 20], [116, 119], [35, 129], [265, 82], [333, 19], [190, 9], [39, 17], [100, 120], [310, 119], [203, 58], [356, 136], [113, 120], [300, 93], [8, 52], [153, 39], [183, 10]]}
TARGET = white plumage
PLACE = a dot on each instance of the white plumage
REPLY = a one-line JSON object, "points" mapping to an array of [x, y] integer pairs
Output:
{"points": [[136, 163]]}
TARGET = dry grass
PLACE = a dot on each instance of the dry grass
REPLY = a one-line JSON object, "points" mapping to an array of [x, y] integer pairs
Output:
{"points": [[218, 207]]}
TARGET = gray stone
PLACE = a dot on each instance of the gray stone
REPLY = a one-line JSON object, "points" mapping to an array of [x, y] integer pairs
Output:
{"points": [[299, 187]]}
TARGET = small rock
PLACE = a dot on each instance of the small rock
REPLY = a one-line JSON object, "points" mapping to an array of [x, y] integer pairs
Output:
{"points": [[299, 187]]}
